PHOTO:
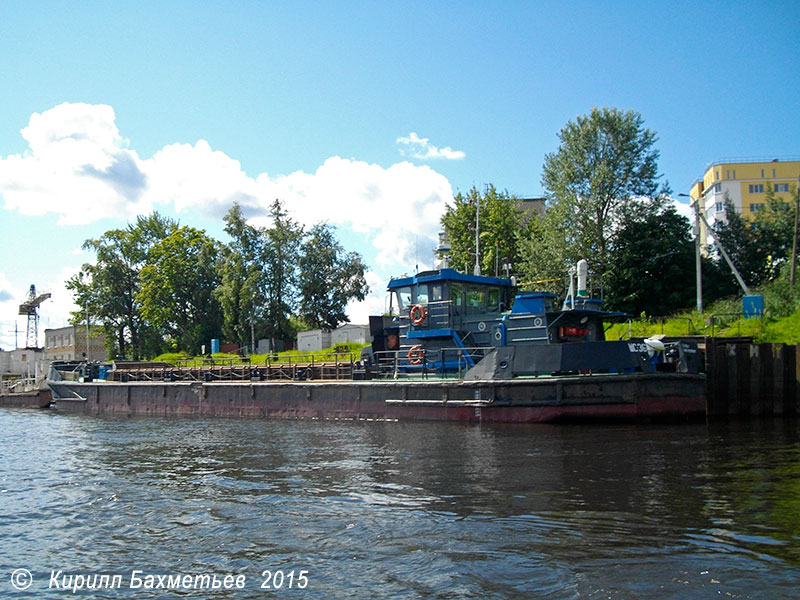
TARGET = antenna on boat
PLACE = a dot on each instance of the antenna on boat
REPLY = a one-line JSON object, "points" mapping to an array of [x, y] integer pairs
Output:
{"points": [[477, 270], [569, 301]]}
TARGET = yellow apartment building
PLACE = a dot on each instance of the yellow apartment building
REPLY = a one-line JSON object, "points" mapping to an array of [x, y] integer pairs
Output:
{"points": [[745, 183]]}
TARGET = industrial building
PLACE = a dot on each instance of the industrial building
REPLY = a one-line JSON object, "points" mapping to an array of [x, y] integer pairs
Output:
{"points": [[71, 343]]}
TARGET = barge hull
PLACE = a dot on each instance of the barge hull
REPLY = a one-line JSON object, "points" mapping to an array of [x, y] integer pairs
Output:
{"points": [[596, 397], [37, 399]]}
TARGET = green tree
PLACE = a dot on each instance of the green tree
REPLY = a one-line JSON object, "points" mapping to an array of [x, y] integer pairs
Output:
{"points": [[742, 242], [279, 259], [241, 275], [649, 262], [501, 225], [758, 246], [109, 288], [329, 279], [604, 171], [774, 226], [546, 252], [177, 287]]}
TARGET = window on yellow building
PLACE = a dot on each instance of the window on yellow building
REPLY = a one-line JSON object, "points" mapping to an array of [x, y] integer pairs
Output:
{"points": [[781, 187], [756, 188]]}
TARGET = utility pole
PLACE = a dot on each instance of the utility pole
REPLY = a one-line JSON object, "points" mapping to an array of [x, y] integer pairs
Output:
{"points": [[794, 238], [721, 248], [697, 253], [252, 334]]}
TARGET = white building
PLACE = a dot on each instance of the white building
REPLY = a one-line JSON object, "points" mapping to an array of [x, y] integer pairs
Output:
{"points": [[317, 339], [350, 333], [21, 368], [313, 340], [23, 362]]}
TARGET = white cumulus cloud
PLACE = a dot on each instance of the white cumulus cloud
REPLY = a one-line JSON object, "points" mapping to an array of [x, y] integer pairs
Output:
{"points": [[76, 166], [421, 148], [393, 206], [79, 167]]}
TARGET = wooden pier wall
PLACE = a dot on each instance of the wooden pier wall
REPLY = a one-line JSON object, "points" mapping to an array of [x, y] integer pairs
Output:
{"points": [[752, 380]]}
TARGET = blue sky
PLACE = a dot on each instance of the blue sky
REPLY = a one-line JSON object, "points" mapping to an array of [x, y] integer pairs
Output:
{"points": [[367, 115]]}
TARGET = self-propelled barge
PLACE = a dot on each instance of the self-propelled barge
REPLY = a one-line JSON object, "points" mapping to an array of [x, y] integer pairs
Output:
{"points": [[452, 347]]}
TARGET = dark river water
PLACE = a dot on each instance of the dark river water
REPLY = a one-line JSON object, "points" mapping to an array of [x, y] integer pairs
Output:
{"points": [[392, 510]]}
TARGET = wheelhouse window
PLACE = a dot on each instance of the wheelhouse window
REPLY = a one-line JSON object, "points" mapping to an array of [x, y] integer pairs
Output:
{"points": [[476, 298], [404, 299], [494, 299], [457, 295]]}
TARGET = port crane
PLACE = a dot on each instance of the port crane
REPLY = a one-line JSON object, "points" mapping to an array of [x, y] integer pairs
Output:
{"points": [[30, 308]]}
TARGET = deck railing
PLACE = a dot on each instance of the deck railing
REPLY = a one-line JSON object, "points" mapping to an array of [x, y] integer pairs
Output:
{"points": [[311, 366], [18, 385], [441, 363]]}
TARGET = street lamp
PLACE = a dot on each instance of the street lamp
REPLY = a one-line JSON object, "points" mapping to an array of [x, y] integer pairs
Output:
{"points": [[697, 262], [794, 237]]}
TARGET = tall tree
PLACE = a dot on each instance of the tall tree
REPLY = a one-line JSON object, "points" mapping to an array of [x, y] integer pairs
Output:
{"points": [[605, 168], [329, 279], [108, 288], [501, 223], [758, 246], [546, 252], [177, 287], [242, 281], [279, 258], [649, 262], [774, 226]]}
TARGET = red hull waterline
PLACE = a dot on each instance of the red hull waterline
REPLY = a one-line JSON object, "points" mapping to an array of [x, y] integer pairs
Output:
{"points": [[596, 397]]}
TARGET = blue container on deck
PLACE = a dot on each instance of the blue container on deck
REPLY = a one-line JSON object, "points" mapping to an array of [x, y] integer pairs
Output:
{"points": [[215, 346], [753, 306]]}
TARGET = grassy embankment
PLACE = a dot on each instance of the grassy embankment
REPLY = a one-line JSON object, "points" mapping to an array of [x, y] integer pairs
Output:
{"points": [[780, 323]]}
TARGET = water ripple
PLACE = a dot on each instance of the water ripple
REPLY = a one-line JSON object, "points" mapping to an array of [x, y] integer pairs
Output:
{"points": [[391, 510]]}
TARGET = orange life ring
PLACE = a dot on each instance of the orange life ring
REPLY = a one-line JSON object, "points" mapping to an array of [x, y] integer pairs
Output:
{"points": [[417, 314], [415, 355]]}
